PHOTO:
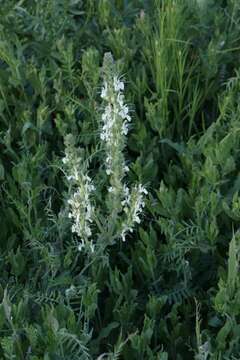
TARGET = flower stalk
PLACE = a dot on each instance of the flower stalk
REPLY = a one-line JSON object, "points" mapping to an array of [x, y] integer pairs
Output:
{"points": [[125, 205], [115, 127], [115, 123], [81, 209]]}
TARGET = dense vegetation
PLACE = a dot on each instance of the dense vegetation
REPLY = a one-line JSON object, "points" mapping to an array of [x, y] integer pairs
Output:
{"points": [[171, 291]]}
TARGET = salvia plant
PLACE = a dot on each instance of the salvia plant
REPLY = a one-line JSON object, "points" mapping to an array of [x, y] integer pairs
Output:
{"points": [[125, 205]]}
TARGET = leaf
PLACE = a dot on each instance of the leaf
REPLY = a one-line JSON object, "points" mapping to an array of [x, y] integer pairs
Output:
{"points": [[232, 265], [223, 334], [2, 172], [180, 148], [7, 306], [105, 332]]}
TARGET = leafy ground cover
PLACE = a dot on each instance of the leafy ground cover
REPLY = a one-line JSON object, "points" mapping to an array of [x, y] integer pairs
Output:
{"points": [[161, 282]]}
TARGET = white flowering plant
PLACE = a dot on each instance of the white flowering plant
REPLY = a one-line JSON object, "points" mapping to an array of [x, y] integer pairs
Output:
{"points": [[124, 205], [81, 210]]}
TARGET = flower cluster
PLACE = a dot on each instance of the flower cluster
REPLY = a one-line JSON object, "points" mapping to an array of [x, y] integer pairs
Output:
{"points": [[124, 205], [133, 205], [81, 209], [115, 119]]}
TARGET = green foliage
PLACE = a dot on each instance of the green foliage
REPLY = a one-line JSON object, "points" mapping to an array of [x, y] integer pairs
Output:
{"points": [[172, 290]]}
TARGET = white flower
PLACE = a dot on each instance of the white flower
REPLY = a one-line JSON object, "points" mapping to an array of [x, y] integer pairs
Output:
{"points": [[92, 247], [114, 125], [65, 160], [123, 234], [80, 207], [81, 212], [118, 85], [80, 246], [125, 230], [126, 193], [125, 128], [104, 91], [124, 113], [120, 99], [133, 206]]}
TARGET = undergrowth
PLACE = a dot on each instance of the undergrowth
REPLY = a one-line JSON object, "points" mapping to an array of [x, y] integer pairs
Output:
{"points": [[128, 248]]}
